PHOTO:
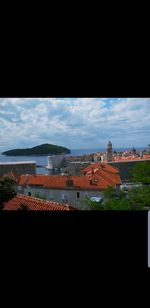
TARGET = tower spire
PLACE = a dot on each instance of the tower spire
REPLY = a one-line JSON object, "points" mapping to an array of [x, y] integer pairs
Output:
{"points": [[109, 151]]}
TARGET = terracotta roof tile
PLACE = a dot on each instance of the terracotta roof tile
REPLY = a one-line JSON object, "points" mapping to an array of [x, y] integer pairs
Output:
{"points": [[37, 179], [106, 175], [83, 182], [35, 204], [100, 166], [24, 179]]}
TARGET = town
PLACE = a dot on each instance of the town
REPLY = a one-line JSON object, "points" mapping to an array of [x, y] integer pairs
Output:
{"points": [[101, 180]]}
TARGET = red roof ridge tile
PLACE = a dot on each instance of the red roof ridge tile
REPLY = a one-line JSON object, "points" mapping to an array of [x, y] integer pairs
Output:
{"points": [[35, 204]]}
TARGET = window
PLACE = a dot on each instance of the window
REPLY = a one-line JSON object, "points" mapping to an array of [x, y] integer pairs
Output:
{"points": [[29, 193], [78, 195]]}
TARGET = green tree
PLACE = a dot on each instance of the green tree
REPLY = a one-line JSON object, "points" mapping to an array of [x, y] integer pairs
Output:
{"points": [[109, 192], [141, 173], [139, 197], [118, 204], [7, 190]]}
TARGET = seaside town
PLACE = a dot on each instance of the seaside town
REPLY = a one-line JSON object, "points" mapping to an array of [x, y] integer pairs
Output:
{"points": [[96, 181]]}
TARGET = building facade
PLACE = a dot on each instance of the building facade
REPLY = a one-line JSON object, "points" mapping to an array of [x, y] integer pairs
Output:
{"points": [[21, 167], [72, 189]]}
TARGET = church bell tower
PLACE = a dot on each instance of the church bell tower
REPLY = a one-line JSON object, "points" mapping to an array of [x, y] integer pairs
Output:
{"points": [[109, 152]]}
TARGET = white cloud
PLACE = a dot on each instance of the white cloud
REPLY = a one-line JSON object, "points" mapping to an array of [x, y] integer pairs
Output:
{"points": [[74, 122]]}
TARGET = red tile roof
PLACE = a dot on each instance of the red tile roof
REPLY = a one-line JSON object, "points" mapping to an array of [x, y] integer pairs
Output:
{"points": [[131, 158], [24, 179], [100, 166], [82, 182], [104, 175], [146, 156], [37, 179], [35, 204], [85, 182]]}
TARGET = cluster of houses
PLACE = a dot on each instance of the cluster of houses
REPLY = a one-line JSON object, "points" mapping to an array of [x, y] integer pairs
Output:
{"points": [[69, 190], [66, 189]]}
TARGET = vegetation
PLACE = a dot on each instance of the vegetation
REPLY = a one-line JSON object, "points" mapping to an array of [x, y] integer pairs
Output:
{"points": [[94, 205], [141, 173], [109, 192], [135, 199], [7, 190], [43, 149], [139, 198]]}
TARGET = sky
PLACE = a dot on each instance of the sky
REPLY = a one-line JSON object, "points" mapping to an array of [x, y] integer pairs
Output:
{"points": [[76, 123]]}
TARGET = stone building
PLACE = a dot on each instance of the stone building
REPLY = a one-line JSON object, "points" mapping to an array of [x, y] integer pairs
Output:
{"points": [[20, 167], [125, 167], [71, 189]]}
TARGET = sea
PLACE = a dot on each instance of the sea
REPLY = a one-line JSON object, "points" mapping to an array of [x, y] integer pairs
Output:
{"points": [[41, 160]]}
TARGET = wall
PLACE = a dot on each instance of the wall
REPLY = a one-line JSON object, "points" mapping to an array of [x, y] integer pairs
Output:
{"points": [[55, 161], [125, 168], [57, 195], [18, 168]]}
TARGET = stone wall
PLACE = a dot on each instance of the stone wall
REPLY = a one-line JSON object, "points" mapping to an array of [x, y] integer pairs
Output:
{"points": [[73, 197], [29, 168], [125, 168]]}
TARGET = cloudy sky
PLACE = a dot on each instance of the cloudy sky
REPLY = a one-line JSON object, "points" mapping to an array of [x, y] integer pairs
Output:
{"points": [[76, 123]]}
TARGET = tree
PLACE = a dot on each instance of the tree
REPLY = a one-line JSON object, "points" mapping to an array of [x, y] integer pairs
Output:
{"points": [[7, 189], [118, 204], [141, 173], [109, 192], [139, 197]]}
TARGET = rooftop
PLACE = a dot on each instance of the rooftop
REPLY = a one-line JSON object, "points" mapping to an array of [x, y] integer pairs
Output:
{"points": [[35, 204], [96, 176], [128, 159]]}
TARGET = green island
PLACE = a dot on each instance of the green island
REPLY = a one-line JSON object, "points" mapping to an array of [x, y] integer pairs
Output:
{"points": [[43, 149]]}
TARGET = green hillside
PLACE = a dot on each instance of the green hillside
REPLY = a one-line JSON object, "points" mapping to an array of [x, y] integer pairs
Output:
{"points": [[43, 149]]}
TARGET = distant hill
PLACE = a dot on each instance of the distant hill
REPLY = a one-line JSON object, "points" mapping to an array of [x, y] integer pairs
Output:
{"points": [[43, 149]]}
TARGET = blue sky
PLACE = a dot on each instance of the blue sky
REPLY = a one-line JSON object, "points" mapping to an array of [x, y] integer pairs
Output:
{"points": [[74, 122]]}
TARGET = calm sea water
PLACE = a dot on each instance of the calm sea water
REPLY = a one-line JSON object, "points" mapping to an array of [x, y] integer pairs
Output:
{"points": [[42, 160]]}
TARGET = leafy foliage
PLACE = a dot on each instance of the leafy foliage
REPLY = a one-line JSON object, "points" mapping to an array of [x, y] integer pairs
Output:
{"points": [[141, 173], [118, 204], [109, 192], [7, 190], [94, 205], [139, 197], [136, 199]]}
